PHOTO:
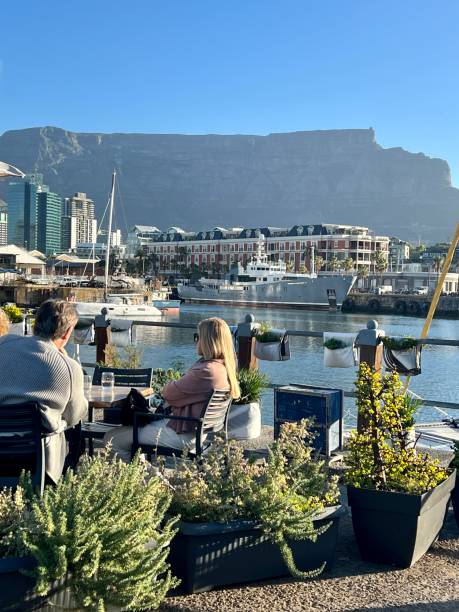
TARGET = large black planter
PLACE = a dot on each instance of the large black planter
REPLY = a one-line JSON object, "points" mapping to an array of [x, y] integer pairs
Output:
{"points": [[17, 591], [208, 555], [398, 528]]}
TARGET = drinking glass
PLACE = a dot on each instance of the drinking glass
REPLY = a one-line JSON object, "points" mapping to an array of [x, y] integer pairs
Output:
{"points": [[87, 384], [107, 381]]}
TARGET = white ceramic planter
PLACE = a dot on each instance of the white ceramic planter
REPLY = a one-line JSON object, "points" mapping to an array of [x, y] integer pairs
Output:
{"points": [[268, 351], [410, 359], [406, 362], [340, 358], [244, 421], [17, 329]]}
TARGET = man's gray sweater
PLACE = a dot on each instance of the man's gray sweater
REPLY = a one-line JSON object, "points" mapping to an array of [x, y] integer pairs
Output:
{"points": [[33, 369]]}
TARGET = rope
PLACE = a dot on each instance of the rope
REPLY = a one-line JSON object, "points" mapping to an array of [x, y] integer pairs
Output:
{"points": [[438, 290]]}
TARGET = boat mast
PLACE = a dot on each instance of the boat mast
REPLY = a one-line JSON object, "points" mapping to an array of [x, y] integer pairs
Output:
{"points": [[109, 237]]}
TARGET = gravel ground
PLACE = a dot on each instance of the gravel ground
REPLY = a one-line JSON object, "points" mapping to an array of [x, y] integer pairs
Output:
{"points": [[432, 585]]}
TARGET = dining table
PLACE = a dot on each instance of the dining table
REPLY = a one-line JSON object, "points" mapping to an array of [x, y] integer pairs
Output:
{"points": [[100, 398], [103, 398]]}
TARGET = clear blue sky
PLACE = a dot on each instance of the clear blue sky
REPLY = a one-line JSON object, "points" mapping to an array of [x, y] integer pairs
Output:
{"points": [[236, 66]]}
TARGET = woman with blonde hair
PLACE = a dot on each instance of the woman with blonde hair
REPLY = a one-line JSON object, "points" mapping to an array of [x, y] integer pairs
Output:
{"points": [[216, 369], [4, 323]]}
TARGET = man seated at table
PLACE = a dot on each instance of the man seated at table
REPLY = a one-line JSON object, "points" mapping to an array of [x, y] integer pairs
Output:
{"points": [[37, 368]]}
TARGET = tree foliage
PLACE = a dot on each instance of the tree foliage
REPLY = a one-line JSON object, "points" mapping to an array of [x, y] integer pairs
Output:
{"points": [[380, 457]]}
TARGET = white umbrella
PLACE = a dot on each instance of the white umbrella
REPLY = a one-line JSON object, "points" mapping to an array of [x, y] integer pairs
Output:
{"points": [[7, 170]]}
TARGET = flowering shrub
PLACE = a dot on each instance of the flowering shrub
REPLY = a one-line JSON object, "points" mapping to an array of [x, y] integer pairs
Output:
{"points": [[379, 458], [283, 494], [14, 313]]}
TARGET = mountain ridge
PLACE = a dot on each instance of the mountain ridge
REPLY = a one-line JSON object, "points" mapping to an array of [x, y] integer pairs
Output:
{"points": [[202, 181]]}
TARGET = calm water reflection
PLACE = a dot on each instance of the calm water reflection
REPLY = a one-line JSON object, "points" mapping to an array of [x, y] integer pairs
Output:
{"points": [[439, 380]]}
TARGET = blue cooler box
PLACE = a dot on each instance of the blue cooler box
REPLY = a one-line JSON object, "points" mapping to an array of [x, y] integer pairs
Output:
{"points": [[324, 405]]}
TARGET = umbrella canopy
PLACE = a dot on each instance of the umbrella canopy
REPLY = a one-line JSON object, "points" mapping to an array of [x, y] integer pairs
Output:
{"points": [[7, 170]]}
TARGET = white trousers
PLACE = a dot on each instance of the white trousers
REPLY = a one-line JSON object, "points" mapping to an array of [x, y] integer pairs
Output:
{"points": [[154, 433]]}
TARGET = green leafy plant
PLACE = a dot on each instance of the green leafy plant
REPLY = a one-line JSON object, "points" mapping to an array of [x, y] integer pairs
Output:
{"points": [[379, 456], [161, 377], [334, 343], [399, 344], [264, 333], [251, 383], [14, 313], [102, 532], [131, 359], [282, 494], [408, 409]]}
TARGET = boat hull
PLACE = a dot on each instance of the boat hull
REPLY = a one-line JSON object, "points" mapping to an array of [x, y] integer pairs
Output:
{"points": [[131, 311], [167, 306], [312, 293]]}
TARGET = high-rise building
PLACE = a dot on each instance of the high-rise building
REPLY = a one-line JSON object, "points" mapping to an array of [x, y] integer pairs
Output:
{"points": [[49, 216], [22, 210], [78, 222], [3, 224]]}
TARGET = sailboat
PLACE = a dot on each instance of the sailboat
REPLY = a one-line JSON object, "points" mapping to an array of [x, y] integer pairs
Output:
{"points": [[120, 305]]}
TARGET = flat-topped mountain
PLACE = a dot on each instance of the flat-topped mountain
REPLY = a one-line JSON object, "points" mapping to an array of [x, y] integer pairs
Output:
{"points": [[199, 182]]}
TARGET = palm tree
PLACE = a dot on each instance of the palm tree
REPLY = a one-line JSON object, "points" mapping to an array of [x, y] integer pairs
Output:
{"points": [[141, 256], [318, 263], [362, 273], [334, 263], [348, 264], [438, 263]]}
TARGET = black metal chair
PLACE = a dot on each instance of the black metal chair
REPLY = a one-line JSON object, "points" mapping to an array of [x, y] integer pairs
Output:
{"points": [[22, 444], [141, 377], [124, 377], [214, 419]]}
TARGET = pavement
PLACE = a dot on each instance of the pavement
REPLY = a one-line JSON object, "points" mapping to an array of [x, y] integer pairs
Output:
{"points": [[431, 585]]}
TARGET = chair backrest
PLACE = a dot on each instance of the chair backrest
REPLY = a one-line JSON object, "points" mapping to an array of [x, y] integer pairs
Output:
{"points": [[125, 377], [21, 444], [215, 414]]}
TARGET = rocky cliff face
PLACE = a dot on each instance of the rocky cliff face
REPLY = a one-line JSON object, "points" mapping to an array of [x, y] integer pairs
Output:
{"points": [[198, 182]]}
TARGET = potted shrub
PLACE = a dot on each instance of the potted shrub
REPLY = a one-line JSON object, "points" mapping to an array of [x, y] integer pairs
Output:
{"points": [[454, 465], [271, 344], [244, 419], [243, 520], [339, 350], [16, 589], [99, 538], [17, 319], [398, 497], [402, 355]]}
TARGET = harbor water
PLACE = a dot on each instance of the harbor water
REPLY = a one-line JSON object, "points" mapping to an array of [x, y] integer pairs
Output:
{"points": [[162, 347]]}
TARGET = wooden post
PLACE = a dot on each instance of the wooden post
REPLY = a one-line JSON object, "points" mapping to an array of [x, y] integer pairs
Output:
{"points": [[246, 344], [102, 335], [371, 352]]}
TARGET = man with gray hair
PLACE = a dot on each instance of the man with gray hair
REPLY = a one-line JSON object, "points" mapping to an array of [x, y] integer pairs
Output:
{"points": [[37, 368]]}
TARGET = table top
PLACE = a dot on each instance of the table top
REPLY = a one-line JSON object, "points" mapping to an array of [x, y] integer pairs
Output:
{"points": [[104, 397]]}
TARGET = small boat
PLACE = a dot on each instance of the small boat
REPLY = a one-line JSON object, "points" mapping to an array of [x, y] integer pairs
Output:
{"points": [[161, 299], [131, 306]]}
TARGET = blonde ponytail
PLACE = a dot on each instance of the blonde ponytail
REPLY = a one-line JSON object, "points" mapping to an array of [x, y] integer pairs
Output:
{"points": [[216, 342]]}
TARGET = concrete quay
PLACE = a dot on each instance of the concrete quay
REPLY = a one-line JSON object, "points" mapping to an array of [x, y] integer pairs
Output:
{"points": [[411, 305]]}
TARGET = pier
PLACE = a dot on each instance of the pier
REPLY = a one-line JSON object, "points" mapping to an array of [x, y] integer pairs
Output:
{"points": [[400, 304]]}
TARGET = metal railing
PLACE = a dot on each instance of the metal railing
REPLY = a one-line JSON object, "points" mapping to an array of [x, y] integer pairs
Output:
{"points": [[314, 334]]}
